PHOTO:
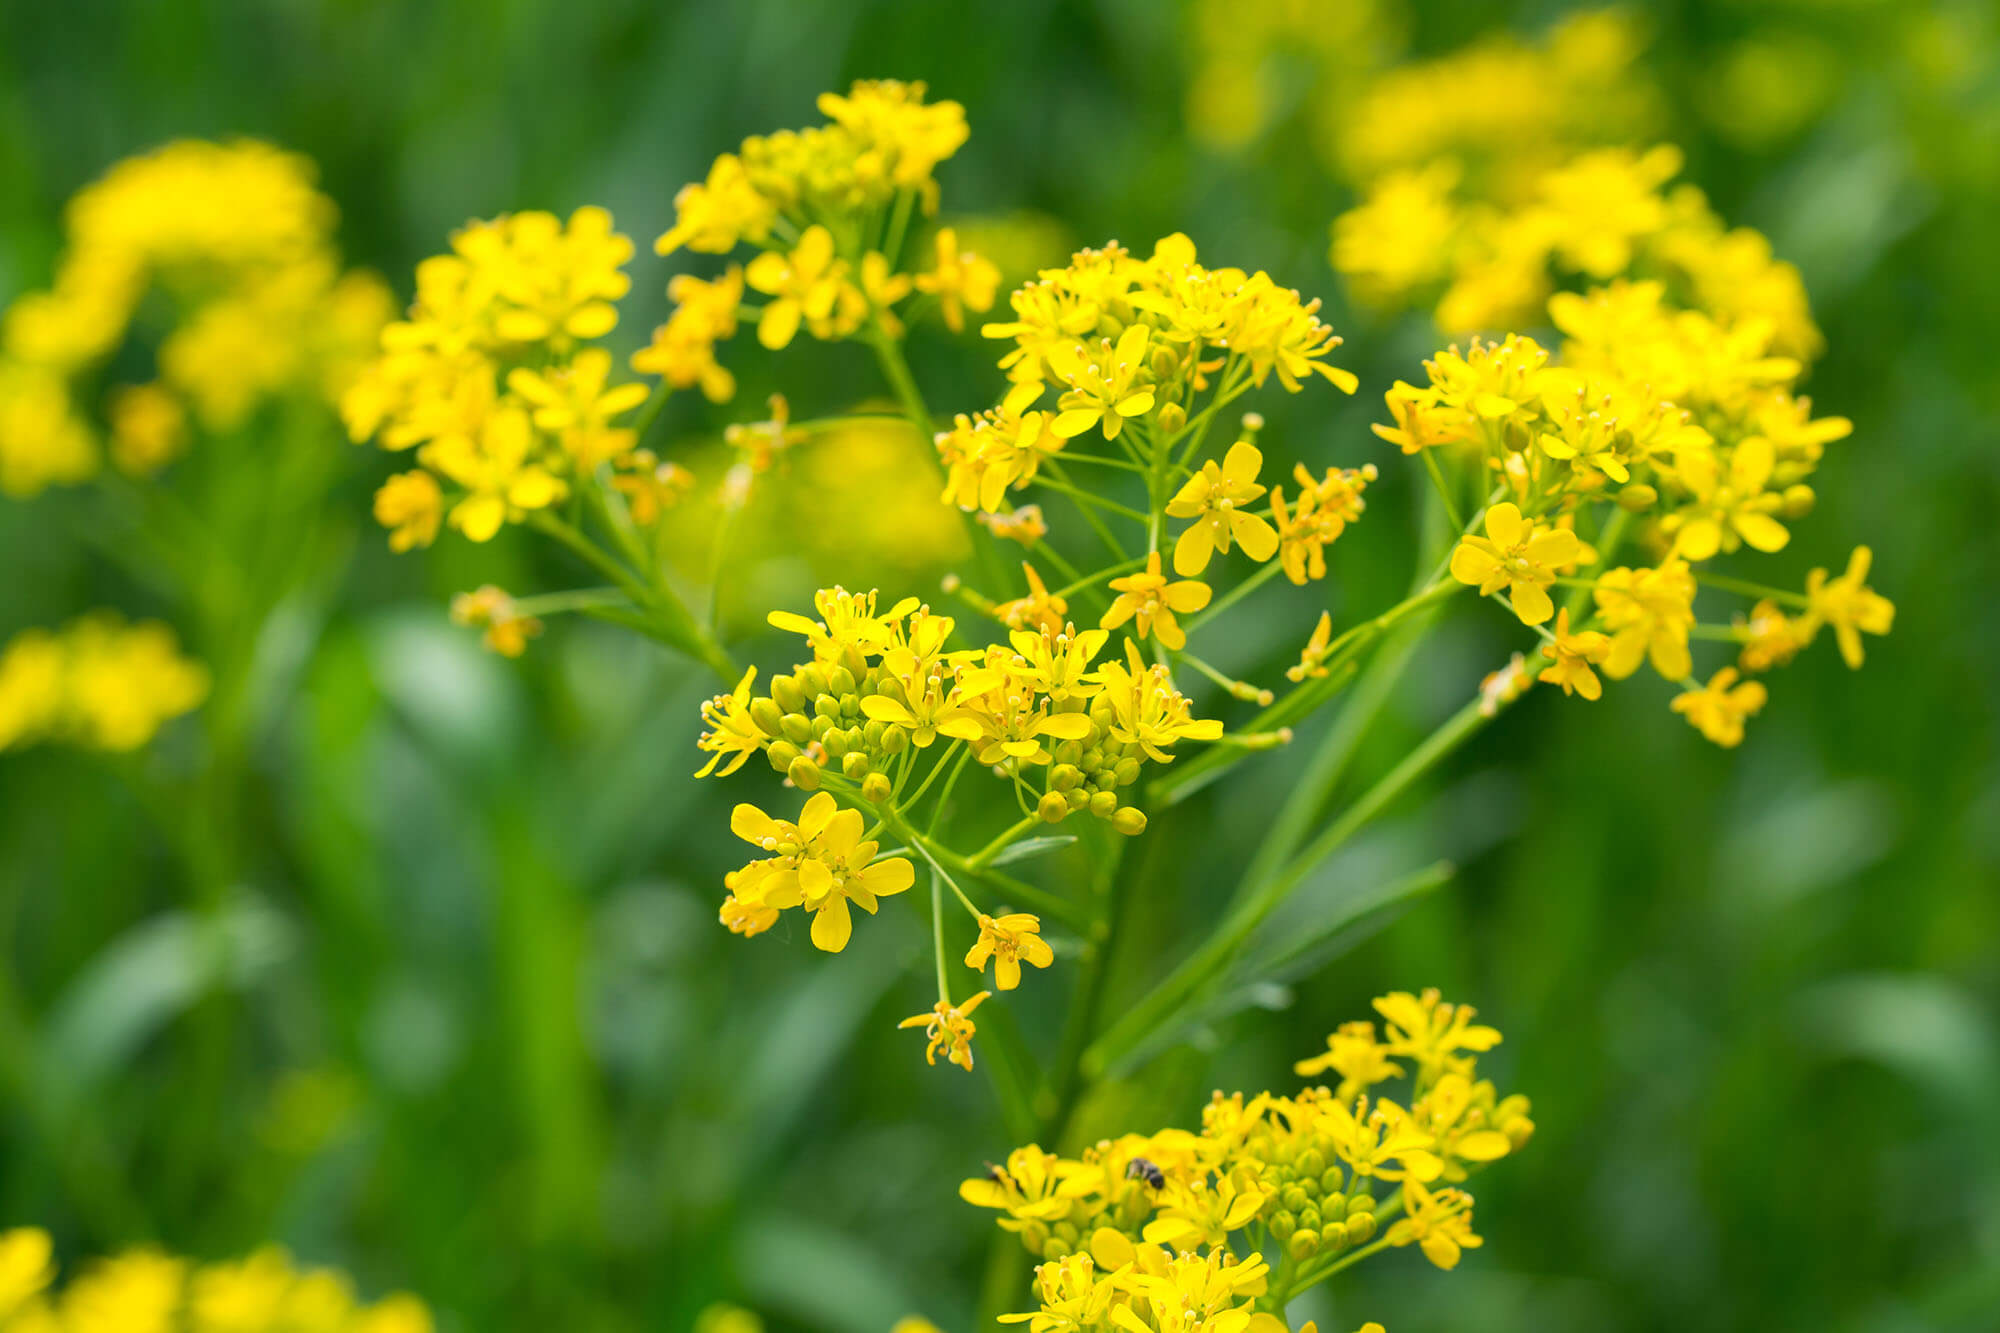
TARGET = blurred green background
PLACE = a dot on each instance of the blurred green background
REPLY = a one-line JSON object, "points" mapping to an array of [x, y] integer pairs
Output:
{"points": [[478, 1035]]}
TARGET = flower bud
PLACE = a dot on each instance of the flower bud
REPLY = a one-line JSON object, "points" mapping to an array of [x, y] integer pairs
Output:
{"points": [[786, 693], [1309, 1217], [822, 727], [770, 719], [804, 774], [1311, 1162], [1798, 501], [1065, 777], [1103, 804], [797, 728], [841, 681], [1129, 820], [1172, 417], [1360, 1228], [872, 734], [1331, 1181], [1516, 437], [1360, 1203], [1304, 1244], [835, 741], [1637, 497], [1282, 1225], [854, 764], [1333, 1236], [1294, 1198], [781, 754], [811, 680], [895, 740], [1126, 773], [826, 705], [875, 788], [1052, 808]]}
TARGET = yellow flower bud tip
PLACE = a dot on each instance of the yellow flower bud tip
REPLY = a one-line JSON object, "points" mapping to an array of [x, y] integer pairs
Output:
{"points": [[876, 788], [1053, 808], [1129, 820], [803, 774]]}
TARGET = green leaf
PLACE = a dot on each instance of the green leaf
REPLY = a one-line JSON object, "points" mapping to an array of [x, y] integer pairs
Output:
{"points": [[1029, 848]]}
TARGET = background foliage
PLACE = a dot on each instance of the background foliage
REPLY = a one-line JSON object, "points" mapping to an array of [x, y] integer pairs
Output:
{"points": [[477, 1033]]}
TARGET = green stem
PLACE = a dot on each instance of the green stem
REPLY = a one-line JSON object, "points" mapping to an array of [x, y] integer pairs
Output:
{"points": [[981, 858], [1748, 589], [1234, 595]]}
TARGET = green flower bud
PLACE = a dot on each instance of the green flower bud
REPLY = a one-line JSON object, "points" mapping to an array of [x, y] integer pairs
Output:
{"points": [[1103, 804], [841, 681], [1065, 777], [798, 728], [770, 718], [1091, 762], [1052, 808], [1172, 417], [781, 754], [875, 788], [1333, 1236], [827, 706], [1311, 1162], [804, 774], [1517, 437], [822, 727], [1331, 1182], [1295, 1198], [1127, 772], [835, 741], [872, 734], [1129, 820], [854, 764], [894, 740], [786, 693], [811, 681], [1360, 1228], [1308, 1217], [1053, 1249], [1360, 1203], [1798, 501], [1282, 1225], [1304, 1244], [1076, 800], [1066, 753], [1637, 497]]}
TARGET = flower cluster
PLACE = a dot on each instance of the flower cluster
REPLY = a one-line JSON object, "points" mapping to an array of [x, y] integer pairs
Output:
{"points": [[1217, 1229], [1683, 425], [147, 1290], [1418, 237], [97, 683], [238, 241], [827, 208], [496, 380]]}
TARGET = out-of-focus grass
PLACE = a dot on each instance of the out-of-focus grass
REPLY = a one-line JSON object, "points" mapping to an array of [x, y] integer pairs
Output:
{"points": [[483, 1037]]}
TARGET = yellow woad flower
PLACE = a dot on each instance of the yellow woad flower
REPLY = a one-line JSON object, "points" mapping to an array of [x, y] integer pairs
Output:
{"points": [[1422, 420], [1001, 718], [745, 919], [1353, 1053], [1729, 508], [1105, 383], [1571, 657], [1155, 603], [573, 403], [1400, 239], [491, 609], [1028, 1188], [901, 138], [1770, 637], [733, 734], [1009, 941], [810, 285], [715, 216], [1312, 658], [649, 486], [412, 506], [1325, 508], [821, 863], [1024, 525], [1649, 613], [1719, 708], [1518, 554], [1380, 1142], [960, 280], [1218, 499], [549, 279], [1040, 609], [1602, 203], [43, 442], [848, 620], [1432, 1032], [148, 428], [498, 473], [683, 349], [948, 1027], [1440, 1224], [1192, 1214], [142, 1291], [97, 683], [1146, 709], [1849, 605]]}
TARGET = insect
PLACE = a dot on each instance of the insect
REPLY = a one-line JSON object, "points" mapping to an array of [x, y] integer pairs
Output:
{"points": [[998, 1176], [1141, 1169]]}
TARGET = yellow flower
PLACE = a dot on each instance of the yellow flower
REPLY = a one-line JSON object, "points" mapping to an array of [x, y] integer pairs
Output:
{"points": [[1719, 709], [1440, 1224], [649, 486], [948, 1027], [1649, 613], [683, 349], [1040, 609], [1770, 637], [1728, 509], [1148, 596], [148, 428], [496, 469], [1383, 1143], [1105, 383], [1518, 554], [572, 403], [808, 285], [410, 504], [97, 683], [507, 631], [1572, 656], [1024, 525], [822, 864], [1325, 508], [1002, 718], [714, 215], [1191, 1214], [1028, 1188], [732, 733], [548, 280], [883, 287], [1009, 941], [745, 918], [27, 1267], [848, 620], [1057, 662], [960, 280], [1353, 1053], [1432, 1032], [1218, 499], [1849, 605], [1422, 420], [43, 442], [1146, 710], [1312, 658]]}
